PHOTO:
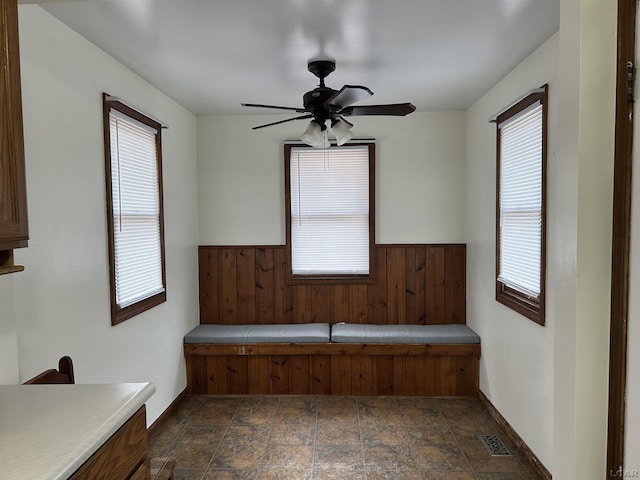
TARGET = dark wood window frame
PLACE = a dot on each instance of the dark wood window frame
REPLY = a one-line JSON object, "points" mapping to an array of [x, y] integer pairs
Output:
{"points": [[292, 279], [532, 307], [120, 314]]}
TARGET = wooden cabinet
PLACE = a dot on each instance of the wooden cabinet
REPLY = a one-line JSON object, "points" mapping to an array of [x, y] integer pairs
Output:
{"points": [[13, 194], [122, 457]]}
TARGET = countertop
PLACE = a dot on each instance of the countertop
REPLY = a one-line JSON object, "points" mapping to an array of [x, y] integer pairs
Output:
{"points": [[48, 431]]}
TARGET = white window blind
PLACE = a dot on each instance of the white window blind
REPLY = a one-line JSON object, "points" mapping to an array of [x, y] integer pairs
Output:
{"points": [[136, 209], [330, 210], [520, 213]]}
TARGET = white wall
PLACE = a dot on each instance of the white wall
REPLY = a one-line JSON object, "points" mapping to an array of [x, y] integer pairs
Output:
{"points": [[583, 209], [62, 298], [8, 333], [516, 367], [419, 177]]}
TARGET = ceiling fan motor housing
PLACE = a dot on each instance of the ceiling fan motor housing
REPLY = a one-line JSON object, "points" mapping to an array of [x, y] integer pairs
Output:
{"points": [[314, 102]]}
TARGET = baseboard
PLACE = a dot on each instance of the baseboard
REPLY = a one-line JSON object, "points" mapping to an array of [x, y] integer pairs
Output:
{"points": [[533, 461], [170, 410]]}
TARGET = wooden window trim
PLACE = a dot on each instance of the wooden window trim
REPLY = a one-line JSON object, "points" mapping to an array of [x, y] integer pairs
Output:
{"points": [[292, 279], [120, 314], [532, 308]]}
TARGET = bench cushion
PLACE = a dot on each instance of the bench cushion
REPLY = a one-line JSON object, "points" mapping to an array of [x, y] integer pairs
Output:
{"points": [[417, 334], [263, 333]]}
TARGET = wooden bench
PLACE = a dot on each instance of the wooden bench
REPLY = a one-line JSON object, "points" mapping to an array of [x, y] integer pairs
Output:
{"points": [[330, 368]]}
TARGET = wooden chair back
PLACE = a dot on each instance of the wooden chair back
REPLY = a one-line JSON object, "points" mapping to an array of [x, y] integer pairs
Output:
{"points": [[64, 374]]}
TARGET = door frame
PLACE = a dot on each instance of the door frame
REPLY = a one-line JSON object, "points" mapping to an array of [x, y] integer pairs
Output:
{"points": [[621, 235]]}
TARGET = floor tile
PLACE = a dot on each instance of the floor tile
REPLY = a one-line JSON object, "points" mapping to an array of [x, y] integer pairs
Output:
{"points": [[212, 413], [292, 434], [504, 476], [337, 473], [169, 432], [337, 433], [342, 457], [430, 437], [201, 434], [247, 435], [230, 474], [285, 474], [327, 438], [156, 450], [296, 410], [384, 435], [191, 456], [188, 474], [435, 457], [393, 475], [253, 415], [448, 475], [388, 457], [237, 456], [188, 406], [288, 456]]}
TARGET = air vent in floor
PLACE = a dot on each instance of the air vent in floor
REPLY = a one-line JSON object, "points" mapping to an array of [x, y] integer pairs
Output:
{"points": [[495, 446]]}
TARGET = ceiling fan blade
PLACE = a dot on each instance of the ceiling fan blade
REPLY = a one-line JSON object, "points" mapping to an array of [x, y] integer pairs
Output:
{"points": [[295, 109], [397, 109], [283, 121], [348, 95]]}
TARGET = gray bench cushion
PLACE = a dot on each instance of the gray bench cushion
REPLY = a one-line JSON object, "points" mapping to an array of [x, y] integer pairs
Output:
{"points": [[263, 333], [369, 333]]}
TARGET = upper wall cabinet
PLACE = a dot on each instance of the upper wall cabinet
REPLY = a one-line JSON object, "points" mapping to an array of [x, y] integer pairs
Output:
{"points": [[13, 194]]}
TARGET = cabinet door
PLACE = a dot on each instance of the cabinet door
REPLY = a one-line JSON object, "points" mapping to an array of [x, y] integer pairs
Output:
{"points": [[13, 194]]}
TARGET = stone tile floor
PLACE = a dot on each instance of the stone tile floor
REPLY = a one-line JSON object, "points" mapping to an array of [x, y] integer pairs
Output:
{"points": [[326, 438]]}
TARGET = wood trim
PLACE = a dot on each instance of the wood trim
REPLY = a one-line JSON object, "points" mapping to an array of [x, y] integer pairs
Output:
{"points": [[531, 308], [531, 458], [465, 349], [118, 314], [621, 236], [168, 412], [369, 278]]}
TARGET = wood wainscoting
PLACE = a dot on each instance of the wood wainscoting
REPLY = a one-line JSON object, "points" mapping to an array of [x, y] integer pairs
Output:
{"points": [[416, 284], [333, 369]]}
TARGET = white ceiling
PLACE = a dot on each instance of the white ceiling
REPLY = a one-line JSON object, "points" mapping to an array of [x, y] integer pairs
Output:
{"points": [[211, 55]]}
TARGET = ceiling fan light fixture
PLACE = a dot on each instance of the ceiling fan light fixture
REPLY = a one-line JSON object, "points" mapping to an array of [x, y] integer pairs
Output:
{"points": [[342, 132], [316, 135]]}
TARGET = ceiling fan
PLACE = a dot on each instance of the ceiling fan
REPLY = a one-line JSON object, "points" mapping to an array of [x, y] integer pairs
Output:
{"points": [[323, 104]]}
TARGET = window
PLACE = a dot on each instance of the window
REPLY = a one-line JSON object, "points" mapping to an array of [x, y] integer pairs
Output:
{"points": [[330, 213], [134, 210], [520, 212]]}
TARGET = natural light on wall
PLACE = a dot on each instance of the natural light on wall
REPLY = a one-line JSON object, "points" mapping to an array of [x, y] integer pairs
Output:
{"points": [[330, 210]]}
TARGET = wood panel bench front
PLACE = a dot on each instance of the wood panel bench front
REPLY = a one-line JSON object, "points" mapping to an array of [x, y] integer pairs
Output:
{"points": [[333, 369]]}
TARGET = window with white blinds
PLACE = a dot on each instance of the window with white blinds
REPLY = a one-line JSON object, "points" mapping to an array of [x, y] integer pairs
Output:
{"points": [[329, 214], [520, 215], [135, 213]]}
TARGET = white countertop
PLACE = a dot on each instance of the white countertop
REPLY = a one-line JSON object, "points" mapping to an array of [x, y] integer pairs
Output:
{"points": [[48, 431]]}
